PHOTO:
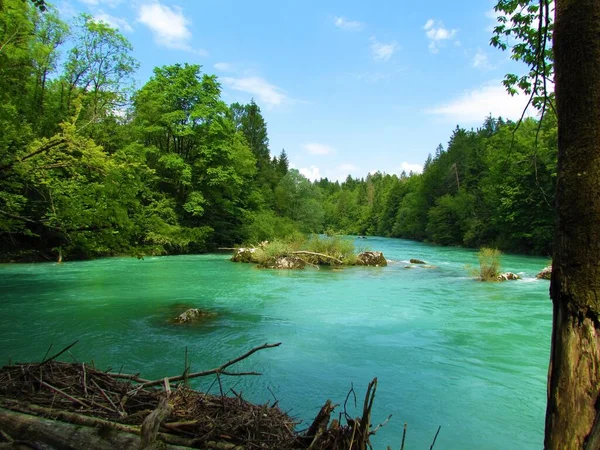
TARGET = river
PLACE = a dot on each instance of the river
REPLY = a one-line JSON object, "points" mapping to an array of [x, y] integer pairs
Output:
{"points": [[447, 350]]}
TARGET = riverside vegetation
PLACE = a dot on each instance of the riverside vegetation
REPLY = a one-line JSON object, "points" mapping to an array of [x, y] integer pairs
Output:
{"points": [[91, 166], [297, 251], [57, 158]]}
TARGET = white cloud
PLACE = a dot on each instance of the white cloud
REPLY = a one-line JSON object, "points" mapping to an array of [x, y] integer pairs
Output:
{"points": [[224, 67], [66, 10], [348, 168], [168, 25], [319, 149], [437, 34], [112, 21], [382, 51], [408, 167], [312, 173], [266, 93], [480, 60], [474, 105], [341, 172], [348, 25], [109, 3]]}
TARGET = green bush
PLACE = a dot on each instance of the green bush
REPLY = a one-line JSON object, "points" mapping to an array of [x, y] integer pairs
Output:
{"points": [[266, 225]]}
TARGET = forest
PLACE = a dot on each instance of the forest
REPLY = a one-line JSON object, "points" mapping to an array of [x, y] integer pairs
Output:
{"points": [[92, 165]]}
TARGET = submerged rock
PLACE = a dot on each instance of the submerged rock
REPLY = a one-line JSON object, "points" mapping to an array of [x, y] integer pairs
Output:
{"points": [[417, 261], [545, 274], [192, 315], [371, 259], [245, 255], [508, 276]]}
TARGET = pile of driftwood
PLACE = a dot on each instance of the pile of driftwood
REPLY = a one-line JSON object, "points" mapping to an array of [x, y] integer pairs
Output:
{"points": [[60, 405]]}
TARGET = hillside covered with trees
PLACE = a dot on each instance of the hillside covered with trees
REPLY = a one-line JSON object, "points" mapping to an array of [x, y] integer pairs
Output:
{"points": [[91, 166]]}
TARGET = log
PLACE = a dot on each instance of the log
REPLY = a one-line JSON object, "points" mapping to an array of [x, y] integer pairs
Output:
{"points": [[304, 252], [66, 436], [59, 416]]}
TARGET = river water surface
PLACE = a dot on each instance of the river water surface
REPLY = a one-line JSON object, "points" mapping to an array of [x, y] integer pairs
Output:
{"points": [[447, 350]]}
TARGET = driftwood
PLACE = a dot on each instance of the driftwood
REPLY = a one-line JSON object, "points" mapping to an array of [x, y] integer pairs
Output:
{"points": [[153, 421], [73, 405], [321, 255], [217, 370], [68, 436]]}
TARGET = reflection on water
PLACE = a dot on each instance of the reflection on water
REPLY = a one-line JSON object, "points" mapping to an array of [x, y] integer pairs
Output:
{"points": [[447, 350]]}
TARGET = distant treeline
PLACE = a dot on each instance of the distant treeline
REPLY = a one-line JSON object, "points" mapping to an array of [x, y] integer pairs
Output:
{"points": [[493, 186], [91, 166]]}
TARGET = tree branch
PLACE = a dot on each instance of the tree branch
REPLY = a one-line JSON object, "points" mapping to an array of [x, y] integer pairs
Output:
{"points": [[44, 148], [217, 370]]}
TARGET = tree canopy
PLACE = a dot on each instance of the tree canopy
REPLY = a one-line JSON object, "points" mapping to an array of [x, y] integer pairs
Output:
{"points": [[90, 166]]}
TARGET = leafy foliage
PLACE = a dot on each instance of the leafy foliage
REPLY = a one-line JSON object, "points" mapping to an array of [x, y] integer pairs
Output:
{"points": [[91, 167], [526, 28]]}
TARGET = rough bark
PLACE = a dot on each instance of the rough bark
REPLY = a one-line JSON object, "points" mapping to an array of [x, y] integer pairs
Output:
{"points": [[574, 374], [66, 436]]}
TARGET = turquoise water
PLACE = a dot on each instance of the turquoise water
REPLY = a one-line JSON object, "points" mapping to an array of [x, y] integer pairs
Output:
{"points": [[447, 350]]}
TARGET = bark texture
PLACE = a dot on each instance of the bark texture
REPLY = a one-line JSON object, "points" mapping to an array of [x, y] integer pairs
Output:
{"points": [[572, 415], [66, 436]]}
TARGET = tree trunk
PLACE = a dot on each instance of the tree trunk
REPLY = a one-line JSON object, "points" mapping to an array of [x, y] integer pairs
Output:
{"points": [[573, 411]]}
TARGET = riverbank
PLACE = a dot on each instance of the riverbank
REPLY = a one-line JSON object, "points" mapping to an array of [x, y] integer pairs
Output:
{"points": [[74, 405]]}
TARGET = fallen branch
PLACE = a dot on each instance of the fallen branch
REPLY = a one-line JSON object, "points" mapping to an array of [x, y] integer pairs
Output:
{"points": [[66, 349], [63, 393], [435, 437], [128, 376], [217, 370], [322, 255]]}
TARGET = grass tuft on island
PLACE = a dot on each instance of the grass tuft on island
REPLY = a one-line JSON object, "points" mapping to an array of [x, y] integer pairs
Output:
{"points": [[298, 251]]}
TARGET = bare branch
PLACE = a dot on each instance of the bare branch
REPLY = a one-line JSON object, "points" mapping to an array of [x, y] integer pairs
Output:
{"points": [[217, 370]]}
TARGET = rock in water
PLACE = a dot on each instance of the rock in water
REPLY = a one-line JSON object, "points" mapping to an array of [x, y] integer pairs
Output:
{"points": [[192, 315], [371, 259], [508, 276], [417, 261], [545, 274], [245, 255]]}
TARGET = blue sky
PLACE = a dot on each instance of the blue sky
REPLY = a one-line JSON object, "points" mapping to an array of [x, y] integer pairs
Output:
{"points": [[345, 86]]}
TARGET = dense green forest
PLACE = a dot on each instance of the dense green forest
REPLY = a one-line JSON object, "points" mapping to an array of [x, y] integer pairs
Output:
{"points": [[92, 166]]}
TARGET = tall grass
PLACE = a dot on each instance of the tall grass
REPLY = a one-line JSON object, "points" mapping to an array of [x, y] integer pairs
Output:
{"points": [[335, 246], [489, 264]]}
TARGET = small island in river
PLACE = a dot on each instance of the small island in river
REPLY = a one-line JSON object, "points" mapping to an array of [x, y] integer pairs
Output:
{"points": [[315, 251]]}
